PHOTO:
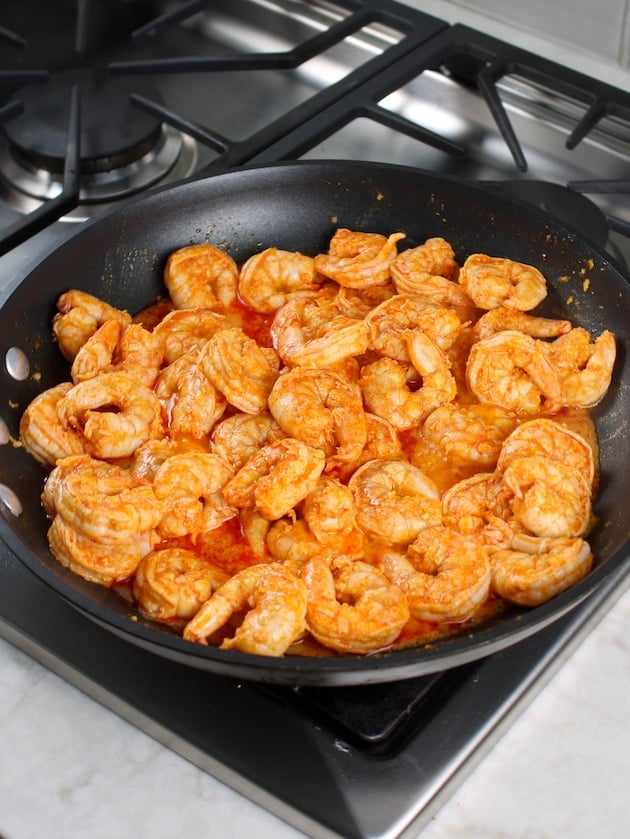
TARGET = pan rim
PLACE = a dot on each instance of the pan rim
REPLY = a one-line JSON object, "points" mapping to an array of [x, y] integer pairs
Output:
{"points": [[414, 660]]}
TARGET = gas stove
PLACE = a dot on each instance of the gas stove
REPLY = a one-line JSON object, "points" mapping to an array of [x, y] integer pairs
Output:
{"points": [[137, 95]]}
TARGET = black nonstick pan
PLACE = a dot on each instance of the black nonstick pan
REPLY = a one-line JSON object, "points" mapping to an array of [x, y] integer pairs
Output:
{"points": [[297, 206]]}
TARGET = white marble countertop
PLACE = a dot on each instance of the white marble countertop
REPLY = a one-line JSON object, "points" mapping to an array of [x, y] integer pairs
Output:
{"points": [[71, 768]]}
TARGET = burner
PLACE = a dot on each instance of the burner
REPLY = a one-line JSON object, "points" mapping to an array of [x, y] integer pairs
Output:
{"points": [[122, 149], [113, 132]]}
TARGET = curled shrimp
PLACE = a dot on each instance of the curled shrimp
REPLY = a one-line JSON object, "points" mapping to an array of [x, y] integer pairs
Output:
{"points": [[358, 260], [201, 277], [323, 410], [274, 602], [272, 277], [445, 576], [185, 330], [357, 302], [101, 501], [480, 507], [352, 607], [469, 434], [240, 369], [116, 347], [330, 514], [98, 562], [190, 487], [549, 438], [387, 393], [492, 281], [512, 370], [171, 584], [78, 316], [551, 498], [435, 257], [390, 324], [42, 433], [584, 366], [328, 526], [394, 500], [190, 402], [276, 478], [113, 412], [312, 341], [533, 570], [95, 355], [382, 443], [236, 438], [501, 318], [148, 457]]}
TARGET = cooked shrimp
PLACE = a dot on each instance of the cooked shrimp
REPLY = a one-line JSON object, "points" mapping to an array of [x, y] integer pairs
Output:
{"points": [[190, 487], [388, 395], [236, 438], [255, 529], [357, 302], [291, 542], [79, 315], [501, 318], [480, 506], [276, 478], [512, 370], [185, 330], [551, 439], [434, 257], [534, 570], [584, 367], [358, 260], [148, 457], [445, 576], [113, 412], [330, 514], [102, 501], [352, 607], [272, 277], [382, 443], [240, 369], [116, 347], [321, 409], [42, 433], [171, 584], [98, 562], [140, 353], [190, 402], [469, 434], [301, 339], [394, 500], [551, 498], [390, 324], [201, 277], [492, 281], [95, 355], [274, 602]]}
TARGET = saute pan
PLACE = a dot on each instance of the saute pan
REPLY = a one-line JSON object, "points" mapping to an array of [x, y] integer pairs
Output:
{"points": [[297, 206]]}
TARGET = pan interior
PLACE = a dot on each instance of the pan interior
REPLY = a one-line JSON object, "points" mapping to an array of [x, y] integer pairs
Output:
{"points": [[120, 257]]}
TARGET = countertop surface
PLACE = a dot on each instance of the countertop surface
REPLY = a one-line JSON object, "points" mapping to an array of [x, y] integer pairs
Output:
{"points": [[71, 768]]}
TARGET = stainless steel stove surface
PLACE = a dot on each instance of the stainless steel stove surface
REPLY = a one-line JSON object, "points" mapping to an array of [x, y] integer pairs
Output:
{"points": [[195, 88]]}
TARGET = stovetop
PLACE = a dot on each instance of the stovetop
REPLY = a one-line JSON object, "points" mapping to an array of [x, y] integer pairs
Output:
{"points": [[256, 82]]}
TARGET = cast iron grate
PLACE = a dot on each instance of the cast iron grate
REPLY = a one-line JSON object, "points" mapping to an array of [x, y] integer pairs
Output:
{"points": [[89, 53]]}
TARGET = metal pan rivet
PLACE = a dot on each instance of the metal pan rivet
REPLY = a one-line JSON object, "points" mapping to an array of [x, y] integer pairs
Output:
{"points": [[4, 433], [17, 364], [9, 500]]}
